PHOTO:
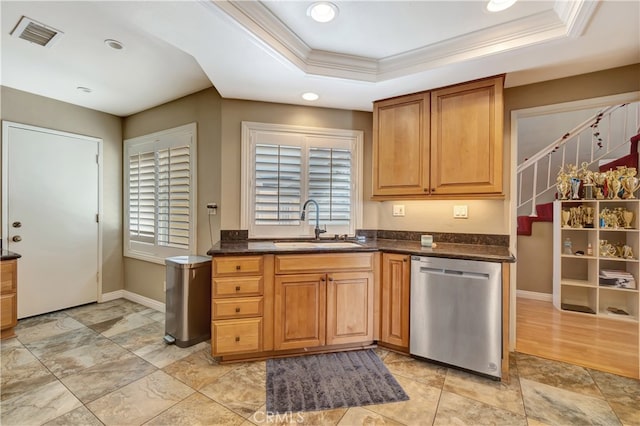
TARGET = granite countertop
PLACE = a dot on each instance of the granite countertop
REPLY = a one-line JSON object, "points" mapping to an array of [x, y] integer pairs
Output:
{"points": [[9, 255], [484, 252]]}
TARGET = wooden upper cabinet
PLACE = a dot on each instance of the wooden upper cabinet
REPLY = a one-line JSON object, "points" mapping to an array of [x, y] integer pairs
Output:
{"points": [[439, 144], [401, 145], [466, 138]]}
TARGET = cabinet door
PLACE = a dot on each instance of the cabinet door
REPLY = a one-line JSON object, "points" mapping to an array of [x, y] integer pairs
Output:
{"points": [[395, 300], [466, 138], [299, 311], [8, 316], [401, 145], [349, 307]]}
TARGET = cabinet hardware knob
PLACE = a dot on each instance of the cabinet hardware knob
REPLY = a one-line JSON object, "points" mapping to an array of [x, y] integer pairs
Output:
{"points": [[426, 190], [331, 279], [237, 288], [237, 267], [404, 260], [237, 338], [322, 279], [237, 310], [433, 190]]}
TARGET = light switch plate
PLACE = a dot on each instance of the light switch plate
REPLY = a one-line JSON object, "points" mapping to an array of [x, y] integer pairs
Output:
{"points": [[398, 210], [460, 212]]}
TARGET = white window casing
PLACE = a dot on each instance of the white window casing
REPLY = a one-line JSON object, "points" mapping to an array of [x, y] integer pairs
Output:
{"points": [[160, 194], [283, 166]]}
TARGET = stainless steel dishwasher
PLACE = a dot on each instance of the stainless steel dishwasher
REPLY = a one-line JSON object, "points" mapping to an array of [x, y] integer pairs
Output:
{"points": [[456, 313]]}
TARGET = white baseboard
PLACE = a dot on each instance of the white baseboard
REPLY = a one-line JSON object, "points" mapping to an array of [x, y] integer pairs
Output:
{"points": [[547, 297], [106, 297], [134, 297]]}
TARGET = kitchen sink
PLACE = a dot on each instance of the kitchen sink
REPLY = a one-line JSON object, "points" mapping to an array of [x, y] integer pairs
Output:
{"points": [[315, 244]]}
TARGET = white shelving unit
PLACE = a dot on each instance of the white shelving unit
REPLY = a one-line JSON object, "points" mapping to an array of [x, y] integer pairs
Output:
{"points": [[576, 282]]}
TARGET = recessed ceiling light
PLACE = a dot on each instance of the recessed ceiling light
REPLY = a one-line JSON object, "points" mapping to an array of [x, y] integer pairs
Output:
{"points": [[499, 5], [310, 96], [114, 44], [84, 89], [322, 11]]}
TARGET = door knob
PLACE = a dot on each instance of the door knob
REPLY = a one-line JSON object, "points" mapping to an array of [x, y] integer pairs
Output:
{"points": [[16, 224], [16, 238]]}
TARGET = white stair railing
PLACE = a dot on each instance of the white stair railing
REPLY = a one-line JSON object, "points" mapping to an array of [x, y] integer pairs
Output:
{"points": [[605, 135]]}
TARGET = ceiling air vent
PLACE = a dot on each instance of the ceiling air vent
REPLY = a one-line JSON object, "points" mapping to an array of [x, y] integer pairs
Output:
{"points": [[35, 32]]}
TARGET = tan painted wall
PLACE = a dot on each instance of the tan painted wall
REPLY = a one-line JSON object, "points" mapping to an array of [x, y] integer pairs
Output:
{"points": [[587, 86], [203, 108], [26, 108], [535, 260]]}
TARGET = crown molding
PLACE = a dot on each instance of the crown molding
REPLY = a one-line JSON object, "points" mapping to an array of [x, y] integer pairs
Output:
{"points": [[567, 19], [575, 15]]}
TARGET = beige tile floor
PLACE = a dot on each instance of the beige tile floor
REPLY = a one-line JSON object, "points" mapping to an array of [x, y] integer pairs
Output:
{"points": [[106, 364]]}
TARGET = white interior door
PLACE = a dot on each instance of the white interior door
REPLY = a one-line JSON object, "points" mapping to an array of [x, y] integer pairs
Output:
{"points": [[50, 207]]}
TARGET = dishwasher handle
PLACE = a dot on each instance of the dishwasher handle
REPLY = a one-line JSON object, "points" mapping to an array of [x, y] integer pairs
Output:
{"points": [[440, 271]]}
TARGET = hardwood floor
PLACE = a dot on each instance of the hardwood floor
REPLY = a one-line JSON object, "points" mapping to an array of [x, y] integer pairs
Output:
{"points": [[599, 343]]}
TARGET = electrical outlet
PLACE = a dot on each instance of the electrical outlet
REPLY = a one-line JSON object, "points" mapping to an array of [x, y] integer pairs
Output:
{"points": [[398, 210], [460, 212]]}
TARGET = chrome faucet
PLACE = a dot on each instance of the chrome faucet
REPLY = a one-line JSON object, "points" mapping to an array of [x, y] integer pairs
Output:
{"points": [[317, 229]]}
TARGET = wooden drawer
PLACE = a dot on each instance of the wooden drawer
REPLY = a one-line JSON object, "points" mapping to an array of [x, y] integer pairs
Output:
{"points": [[237, 265], [237, 307], [236, 336], [8, 276], [8, 312], [332, 262], [237, 287]]}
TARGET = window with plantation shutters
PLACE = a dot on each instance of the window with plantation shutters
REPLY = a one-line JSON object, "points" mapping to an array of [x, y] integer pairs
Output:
{"points": [[283, 166], [160, 194]]}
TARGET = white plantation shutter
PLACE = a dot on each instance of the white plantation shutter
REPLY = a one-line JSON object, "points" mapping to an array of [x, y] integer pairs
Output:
{"points": [[174, 191], [277, 184], [329, 183], [160, 193], [283, 166], [142, 188]]}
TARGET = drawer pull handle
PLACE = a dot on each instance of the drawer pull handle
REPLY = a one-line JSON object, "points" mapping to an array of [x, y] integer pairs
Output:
{"points": [[237, 267], [237, 288], [237, 338], [237, 310]]}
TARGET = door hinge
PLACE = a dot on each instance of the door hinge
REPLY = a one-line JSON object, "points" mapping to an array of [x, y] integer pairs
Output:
{"points": [[97, 217], [97, 277]]}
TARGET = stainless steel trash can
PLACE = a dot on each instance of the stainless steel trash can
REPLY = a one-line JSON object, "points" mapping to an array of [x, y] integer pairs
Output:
{"points": [[188, 300]]}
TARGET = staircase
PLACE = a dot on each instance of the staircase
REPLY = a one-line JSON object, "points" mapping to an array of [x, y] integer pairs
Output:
{"points": [[603, 136]]}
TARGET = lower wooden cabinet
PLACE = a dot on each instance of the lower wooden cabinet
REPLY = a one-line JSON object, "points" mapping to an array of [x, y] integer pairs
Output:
{"points": [[241, 305], [323, 308], [300, 311], [8, 297], [236, 336], [349, 307], [396, 286]]}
